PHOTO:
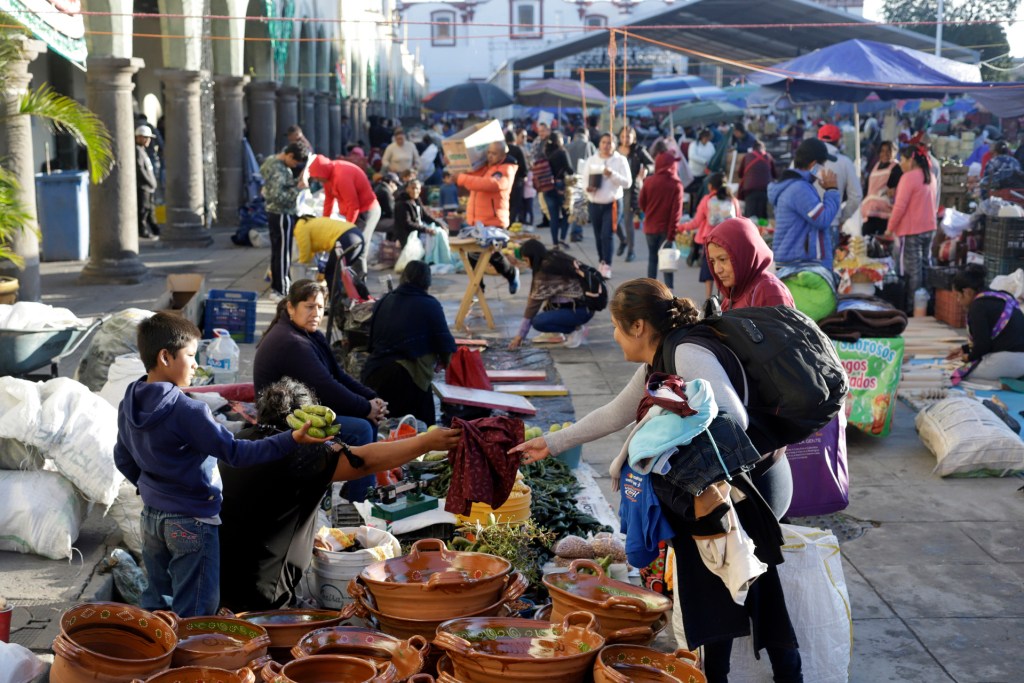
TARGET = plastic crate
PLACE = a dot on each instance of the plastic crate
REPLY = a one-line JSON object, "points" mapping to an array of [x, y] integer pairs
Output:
{"points": [[231, 310], [941, 277], [948, 308], [1004, 238], [1001, 266]]}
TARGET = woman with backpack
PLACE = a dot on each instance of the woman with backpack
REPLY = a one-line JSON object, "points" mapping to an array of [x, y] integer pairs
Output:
{"points": [[741, 263], [646, 315], [557, 289], [716, 206]]}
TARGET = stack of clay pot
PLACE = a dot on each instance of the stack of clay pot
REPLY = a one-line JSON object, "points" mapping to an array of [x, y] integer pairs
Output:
{"points": [[407, 656], [286, 627], [637, 664]]}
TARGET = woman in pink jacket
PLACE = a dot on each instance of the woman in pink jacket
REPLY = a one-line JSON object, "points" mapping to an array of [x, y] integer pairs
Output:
{"points": [[912, 222], [716, 206]]}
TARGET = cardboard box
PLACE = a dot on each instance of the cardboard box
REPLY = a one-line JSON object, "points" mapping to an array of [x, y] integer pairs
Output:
{"points": [[467, 149], [184, 296]]}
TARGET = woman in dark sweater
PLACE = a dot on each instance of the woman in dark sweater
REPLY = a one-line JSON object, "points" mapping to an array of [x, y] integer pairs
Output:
{"points": [[410, 214], [554, 151], [294, 347], [409, 338], [995, 327]]}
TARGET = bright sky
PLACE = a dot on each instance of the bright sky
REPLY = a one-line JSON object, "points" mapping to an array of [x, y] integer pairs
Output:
{"points": [[1014, 32]]}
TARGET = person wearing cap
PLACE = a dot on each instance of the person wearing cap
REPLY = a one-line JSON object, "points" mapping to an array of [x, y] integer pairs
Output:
{"points": [[803, 220], [145, 182], [847, 177]]}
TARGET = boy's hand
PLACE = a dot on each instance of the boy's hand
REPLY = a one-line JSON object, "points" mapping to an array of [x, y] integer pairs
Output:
{"points": [[301, 436], [441, 439]]}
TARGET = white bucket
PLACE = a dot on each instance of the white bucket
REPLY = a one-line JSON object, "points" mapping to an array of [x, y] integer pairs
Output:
{"points": [[333, 570], [668, 258], [330, 585]]}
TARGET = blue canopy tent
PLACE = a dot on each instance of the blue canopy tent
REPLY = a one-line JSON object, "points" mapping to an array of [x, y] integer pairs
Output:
{"points": [[671, 91]]}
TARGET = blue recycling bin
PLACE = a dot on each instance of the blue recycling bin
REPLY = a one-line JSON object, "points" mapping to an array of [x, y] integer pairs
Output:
{"points": [[62, 203]]}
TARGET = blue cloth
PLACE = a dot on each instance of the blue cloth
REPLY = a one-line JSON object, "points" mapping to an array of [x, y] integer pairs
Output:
{"points": [[450, 196], [641, 519], [182, 559], [665, 432], [564, 320], [977, 155], [163, 440], [802, 219]]}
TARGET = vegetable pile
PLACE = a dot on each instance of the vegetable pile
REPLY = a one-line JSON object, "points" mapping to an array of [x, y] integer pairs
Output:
{"points": [[554, 500]]}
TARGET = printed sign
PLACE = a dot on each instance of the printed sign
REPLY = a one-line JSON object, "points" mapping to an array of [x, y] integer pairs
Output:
{"points": [[873, 366]]}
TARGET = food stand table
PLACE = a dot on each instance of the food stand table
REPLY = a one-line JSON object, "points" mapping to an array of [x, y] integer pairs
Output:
{"points": [[466, 246]]}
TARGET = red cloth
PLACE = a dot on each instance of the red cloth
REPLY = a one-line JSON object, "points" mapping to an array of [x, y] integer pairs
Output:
{"points": [[674, 384], [661, 198], [757, 170], [753, 282], [466, 369], [345, 182], [489, 191], [483, 471]]}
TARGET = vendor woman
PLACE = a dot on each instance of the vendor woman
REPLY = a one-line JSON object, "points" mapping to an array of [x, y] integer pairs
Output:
{"points": [[995, 327]]}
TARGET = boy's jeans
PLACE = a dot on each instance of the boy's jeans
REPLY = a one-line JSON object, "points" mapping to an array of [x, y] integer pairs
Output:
{"points": [[182, 558]]}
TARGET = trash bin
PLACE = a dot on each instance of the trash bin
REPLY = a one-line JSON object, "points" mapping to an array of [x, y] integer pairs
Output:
{"points": [[62, 202]]}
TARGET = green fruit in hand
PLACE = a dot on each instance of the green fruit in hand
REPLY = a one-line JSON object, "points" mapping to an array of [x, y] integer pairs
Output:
{"points": [[330, 416], [294, 422], [317, 433], [332, 430], [315, 420], [315, 410], [432, 428]]}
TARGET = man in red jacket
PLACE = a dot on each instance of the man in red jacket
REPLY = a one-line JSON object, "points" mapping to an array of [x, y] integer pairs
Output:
{"points": [[661, 200], [347, 184]]}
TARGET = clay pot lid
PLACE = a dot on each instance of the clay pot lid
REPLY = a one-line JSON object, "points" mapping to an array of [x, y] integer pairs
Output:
{"points": [[288, 617], [605, 592], [431, 564], [521, 639]]}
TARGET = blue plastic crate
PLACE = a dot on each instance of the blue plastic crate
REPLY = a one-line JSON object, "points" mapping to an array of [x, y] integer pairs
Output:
{"points": [[231, 310]]}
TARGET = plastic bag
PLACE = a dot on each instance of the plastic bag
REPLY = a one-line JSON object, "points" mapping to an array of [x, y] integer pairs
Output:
{"points": [[466, 369], [223, 356], [18, 664], [821, 479], [819, 606], [40, 513], [412, 251], [126, 511], [123, 371], [668, 258]]}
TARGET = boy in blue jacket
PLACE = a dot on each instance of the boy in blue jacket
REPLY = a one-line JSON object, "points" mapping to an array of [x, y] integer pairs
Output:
{"points": [[164, 444]]}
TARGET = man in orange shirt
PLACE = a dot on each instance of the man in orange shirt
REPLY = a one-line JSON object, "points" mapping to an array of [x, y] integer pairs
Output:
{"points": [[346, 184]]}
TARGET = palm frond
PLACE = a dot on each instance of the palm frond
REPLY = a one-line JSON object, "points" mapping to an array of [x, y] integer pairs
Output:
{"points": [[65, 115], [13, 216]]}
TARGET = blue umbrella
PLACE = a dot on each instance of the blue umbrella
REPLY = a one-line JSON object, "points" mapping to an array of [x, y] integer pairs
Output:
{"points": [[672, 90]]}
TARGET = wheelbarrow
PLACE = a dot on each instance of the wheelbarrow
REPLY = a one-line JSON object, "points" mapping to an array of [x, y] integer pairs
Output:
{"points": [[24, 352]]}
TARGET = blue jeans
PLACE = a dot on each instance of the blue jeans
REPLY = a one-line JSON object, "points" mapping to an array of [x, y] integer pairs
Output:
{"points": [[357, 431], [654, 243], [564, 320], [601, 218], [182, 558], [559, 221]]}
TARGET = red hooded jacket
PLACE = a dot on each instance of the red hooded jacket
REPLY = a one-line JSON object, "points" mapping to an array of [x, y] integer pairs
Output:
{"points": [[489, 191], [661, 198], [345, 182], [753, 282]]}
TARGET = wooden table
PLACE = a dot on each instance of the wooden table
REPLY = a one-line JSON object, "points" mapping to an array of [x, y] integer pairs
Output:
{"points": [[466, 246]]}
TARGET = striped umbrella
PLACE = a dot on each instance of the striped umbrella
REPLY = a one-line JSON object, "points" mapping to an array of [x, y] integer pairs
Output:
{"points": [[560, 92]]}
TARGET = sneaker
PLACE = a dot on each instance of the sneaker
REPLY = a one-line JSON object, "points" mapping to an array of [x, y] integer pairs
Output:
{"points": [[549, 338], [576, 337], [513, 284], [274, 297], [630, 257], [576, 238], [605, 270], [621, 250]]}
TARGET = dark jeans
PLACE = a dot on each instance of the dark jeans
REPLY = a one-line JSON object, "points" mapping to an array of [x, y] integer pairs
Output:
{"points": [[755, 204], [774, 481], [564, 320], [147, 226], [626, 228], [559, 221], [516, 203], [182, 558], [281, 227], [499, 263], [601, 219], [786, 664], [654, 243]]}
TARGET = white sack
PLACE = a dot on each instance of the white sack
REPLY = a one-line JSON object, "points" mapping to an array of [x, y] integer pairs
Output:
{"points": [[123, 371], [967, 438], [18, 664], [115, 337], [126, 511], [40, 512], [29, 315]]}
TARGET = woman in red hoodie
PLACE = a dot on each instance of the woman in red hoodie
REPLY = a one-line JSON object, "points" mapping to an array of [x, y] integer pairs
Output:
{"points": [[741, 263], [661, 200]]}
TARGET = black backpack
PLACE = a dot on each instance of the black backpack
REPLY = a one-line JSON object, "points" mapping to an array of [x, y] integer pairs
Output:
{"points": [[794, 383], [594, 290]]}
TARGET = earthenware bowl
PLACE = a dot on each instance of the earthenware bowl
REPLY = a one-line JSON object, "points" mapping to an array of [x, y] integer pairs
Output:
{"points": [[322, 668], [109, 642], [635, 635], [219, 642], [616, 604], [287, 626], [495, 650], [633, 663], [202, 674], [408, 656], [437, 583]]}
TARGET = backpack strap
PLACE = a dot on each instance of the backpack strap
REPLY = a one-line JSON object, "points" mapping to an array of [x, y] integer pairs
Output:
{"points": [[704, 337]]}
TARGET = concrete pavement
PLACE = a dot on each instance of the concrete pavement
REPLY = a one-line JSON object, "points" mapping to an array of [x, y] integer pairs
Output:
{"points": [[936, 581]]}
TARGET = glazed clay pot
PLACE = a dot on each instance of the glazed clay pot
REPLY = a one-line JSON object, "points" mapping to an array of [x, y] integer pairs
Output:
{"points": [[219, 642], [637, 635], [633, 663], [436, 583], [202, 674], [408, 656], [495, 650], [287, 626], [108, 642], [617, 605], [323, 668]]}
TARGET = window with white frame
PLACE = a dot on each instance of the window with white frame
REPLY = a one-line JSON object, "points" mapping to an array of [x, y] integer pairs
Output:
{"points": [[525, 18], [595, 20], [442, 28]]}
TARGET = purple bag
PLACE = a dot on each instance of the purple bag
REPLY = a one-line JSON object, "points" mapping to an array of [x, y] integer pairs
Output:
{"points": [[821, 479]]}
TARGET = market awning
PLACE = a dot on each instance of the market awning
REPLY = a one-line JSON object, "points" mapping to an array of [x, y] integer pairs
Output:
{"points": [[58, 24]]}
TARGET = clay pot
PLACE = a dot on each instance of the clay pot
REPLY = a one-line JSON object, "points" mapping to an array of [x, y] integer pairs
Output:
{"points": [[446, 671], [108, 642], [202, 674], [617, 605], [321, 668], [633, 663], [287, 626], [636, 635], [436, 583], [219, 642], [495, 650], [408, 656]]}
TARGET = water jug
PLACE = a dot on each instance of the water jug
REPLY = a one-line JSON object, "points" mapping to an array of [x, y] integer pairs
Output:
{"points": [[223, 355]]}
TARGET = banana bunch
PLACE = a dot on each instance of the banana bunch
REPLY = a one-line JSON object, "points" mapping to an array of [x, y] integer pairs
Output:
{"points": [[321, 419]]}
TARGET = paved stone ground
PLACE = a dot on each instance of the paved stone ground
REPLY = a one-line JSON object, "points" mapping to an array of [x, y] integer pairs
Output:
{"points": [[936, 578]]}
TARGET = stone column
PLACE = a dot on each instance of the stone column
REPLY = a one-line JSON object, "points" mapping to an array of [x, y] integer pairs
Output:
{"points": [[334, 125], [323, 122], [113, 204], [364, 131], [262, 125], [307, 115], [287, 113], [16, 151], [186, 225], [227, 102]]}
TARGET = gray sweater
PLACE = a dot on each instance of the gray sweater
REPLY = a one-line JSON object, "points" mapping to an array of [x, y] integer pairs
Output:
{"points": [[692, 362]]}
